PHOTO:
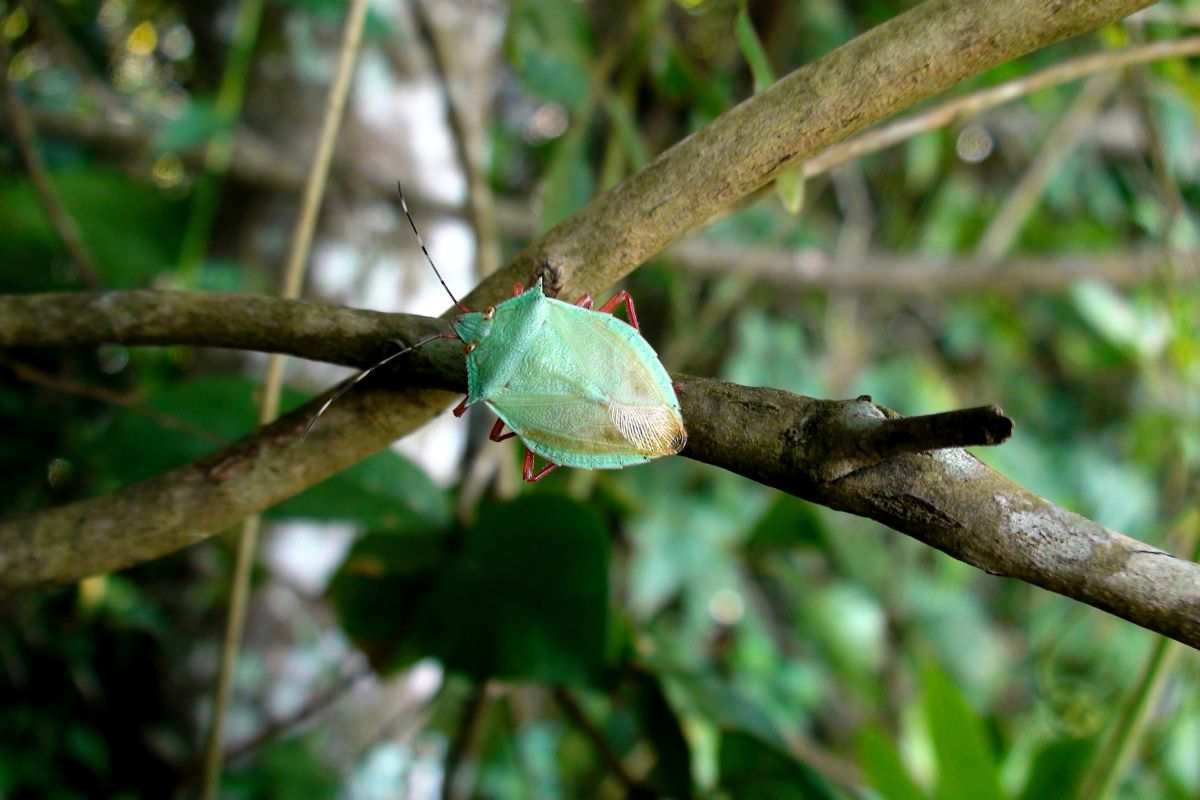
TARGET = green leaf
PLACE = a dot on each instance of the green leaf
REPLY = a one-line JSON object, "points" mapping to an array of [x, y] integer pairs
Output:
{"points": [[525, 598], [627, 129], [384, 491], [192, 418], [550, 48], [884, 770], [1057, 769], [753, 51], [569, 182], [789, 187], [553, 77], [380, 589], [131, 229], [672, 772], [528, 596], [789, 522], [966, 764], [751, 769], [724, 705], [1144, 331], [789, 184]]}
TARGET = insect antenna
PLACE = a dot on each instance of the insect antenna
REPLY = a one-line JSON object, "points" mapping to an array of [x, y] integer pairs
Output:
{"points": [[412, 223], [360, 376]]}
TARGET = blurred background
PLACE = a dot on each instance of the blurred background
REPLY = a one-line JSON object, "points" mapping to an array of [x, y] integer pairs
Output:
{"points": [[670, 630]]}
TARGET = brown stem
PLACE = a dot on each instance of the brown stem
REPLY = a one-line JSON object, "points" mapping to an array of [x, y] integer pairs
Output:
{"points": [[25, 133], [946, 499], [579, 718], [850, 455], [968, 427]]}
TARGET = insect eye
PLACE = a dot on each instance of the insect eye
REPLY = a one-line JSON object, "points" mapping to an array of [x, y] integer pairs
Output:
{"points": [[470, 348], [489, 312]]}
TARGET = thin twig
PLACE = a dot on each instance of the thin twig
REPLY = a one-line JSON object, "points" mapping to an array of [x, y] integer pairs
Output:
{"points": [[468, 122], [971, 105], [285, 725], [1006, 225], [1112, 755], [917, 274], [464, 738], [579, 718], [269, 406], [255, 160], [25, 133], [969, 427], [132, 402], [219, 149]]}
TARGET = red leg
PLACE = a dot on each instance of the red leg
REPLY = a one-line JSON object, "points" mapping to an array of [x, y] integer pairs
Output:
{"points": [[461, 408], [496, 435], [622, 297], [585, 301], [528, 473], [518, 288]]}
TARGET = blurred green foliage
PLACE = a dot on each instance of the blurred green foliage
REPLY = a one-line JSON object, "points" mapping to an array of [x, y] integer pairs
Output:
{"points": [[717, 639]]}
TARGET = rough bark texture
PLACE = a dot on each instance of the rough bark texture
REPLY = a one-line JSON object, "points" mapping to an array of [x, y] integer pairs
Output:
{"points": [[851, 455]]}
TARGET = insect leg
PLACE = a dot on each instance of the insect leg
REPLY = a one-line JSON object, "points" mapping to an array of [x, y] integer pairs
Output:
{"points": [[585, 301], [528, 473], [518, 289], [622, 297], [461, 408], [496, 435]]}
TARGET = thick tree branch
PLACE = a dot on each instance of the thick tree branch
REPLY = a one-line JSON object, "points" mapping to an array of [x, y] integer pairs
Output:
{"points": [[904, 60], [850, 455], [945, 498], [316, 331]]}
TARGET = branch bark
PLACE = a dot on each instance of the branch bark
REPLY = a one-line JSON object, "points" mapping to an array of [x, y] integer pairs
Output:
{"points": [[851, 455], [944, 498]]}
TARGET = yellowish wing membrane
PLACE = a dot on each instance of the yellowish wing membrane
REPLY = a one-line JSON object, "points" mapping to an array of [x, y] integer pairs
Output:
{"points": [[653, 430]]}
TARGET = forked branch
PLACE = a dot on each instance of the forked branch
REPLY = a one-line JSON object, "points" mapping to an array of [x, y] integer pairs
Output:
{"points": [[851, 455]]}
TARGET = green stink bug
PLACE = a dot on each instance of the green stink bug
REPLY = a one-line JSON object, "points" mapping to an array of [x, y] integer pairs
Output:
{"points": [[578, 386]]}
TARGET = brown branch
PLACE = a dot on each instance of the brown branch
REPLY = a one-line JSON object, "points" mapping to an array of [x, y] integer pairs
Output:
{"points": [[812, 268], [849, 455], [1062, 140], [255, 160], [25, 133], [968, 427], [316, 331], [974, 104], [946, 499], [904, 60]]}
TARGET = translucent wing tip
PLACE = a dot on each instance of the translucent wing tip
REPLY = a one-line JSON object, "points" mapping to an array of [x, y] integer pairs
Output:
{"points": [[653, 430]]}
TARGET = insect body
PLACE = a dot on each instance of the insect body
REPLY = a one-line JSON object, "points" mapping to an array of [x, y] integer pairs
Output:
{"points": [[579, 387]]}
